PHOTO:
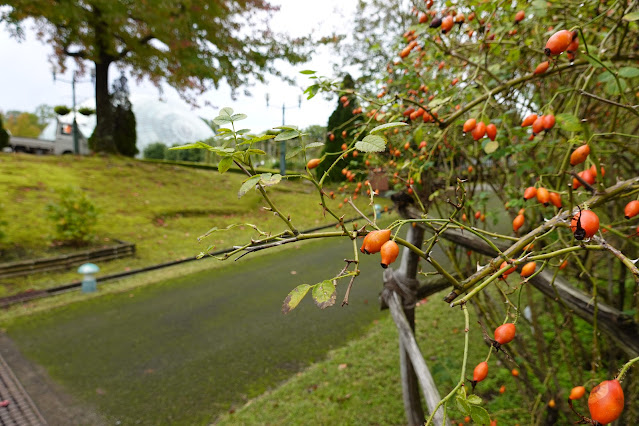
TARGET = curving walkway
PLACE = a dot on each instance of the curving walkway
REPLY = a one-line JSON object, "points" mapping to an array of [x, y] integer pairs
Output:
{"points": [[16, 406]]}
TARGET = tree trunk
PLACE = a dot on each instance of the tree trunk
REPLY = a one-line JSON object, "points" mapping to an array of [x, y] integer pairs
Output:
{"points": [[102, 139]]}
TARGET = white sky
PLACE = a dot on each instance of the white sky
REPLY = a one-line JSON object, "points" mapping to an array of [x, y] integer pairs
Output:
{"points": [[26, 79]]}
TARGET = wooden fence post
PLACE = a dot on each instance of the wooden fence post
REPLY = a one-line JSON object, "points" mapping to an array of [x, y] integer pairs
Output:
{"points": [[403, 284]]}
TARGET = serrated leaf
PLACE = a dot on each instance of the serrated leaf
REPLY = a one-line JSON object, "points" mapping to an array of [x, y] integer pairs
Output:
{"points": [[238, 117], [568, 122], [479, 415], [324, 294], [196, 145], [222, 120], [286, 135], [634, 16], [314, 145], [257, 139], [371, 143], [491, 147], [293, 152], [474, 400], [307, 72], [629, 72], [463, 405], [592, 61], [386, 126], [268, 179], [227, 111], [248, 184], [224, 164], [612, 88], [438, 102], [312, 91], [295, 297]]}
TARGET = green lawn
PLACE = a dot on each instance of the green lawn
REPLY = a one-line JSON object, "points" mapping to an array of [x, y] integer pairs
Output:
{"points": [[161, 208]]}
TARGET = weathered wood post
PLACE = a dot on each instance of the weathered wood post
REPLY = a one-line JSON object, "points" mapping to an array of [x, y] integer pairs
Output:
{"points": [[402, 284]]}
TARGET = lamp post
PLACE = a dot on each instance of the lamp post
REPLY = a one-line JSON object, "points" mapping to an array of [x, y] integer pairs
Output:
{"points": [[74, 79], [283, 143]]}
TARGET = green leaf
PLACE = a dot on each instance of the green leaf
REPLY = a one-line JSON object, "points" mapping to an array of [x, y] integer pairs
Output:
{"points": [[479, 415], [312, 91], [224, 130], [224, 164], [629, 72], [238, 117], [267, 179], [474, 400], [255, 151], [295, 297], [307, 72], [243, 131], [226, 111], [371, 143], [286, 127], [568, 122], [634, 16], [491, 147], [286, 135], [386, 126], [257, 139], [595, 63], [463, 405], [324, 294], [436, 103], [196, 145], [248, 184], [221, 120], [314, 145], [293, 152], [612, 88]]}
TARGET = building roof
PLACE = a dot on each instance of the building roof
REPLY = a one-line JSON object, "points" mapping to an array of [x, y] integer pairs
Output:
{"points": [[169, 122]]}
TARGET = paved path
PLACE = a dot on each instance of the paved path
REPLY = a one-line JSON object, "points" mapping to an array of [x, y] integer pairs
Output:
{"points": [[16, 406], [34, 398]]}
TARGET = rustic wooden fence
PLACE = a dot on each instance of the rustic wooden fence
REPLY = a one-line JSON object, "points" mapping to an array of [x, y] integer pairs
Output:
{"points": [[26, 267], [402, 290]]}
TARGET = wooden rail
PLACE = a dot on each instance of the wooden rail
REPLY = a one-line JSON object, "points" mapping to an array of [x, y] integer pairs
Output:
{"points": [[27, 267]]}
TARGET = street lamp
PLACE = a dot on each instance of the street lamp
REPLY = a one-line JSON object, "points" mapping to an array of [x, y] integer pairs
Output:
{"points": [[283, 143], [74, 79]]}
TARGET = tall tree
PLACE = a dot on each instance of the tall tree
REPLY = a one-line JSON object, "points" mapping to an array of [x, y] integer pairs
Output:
{"points": [[4, 136], [369, 47], [124, 132], [189, 44]]}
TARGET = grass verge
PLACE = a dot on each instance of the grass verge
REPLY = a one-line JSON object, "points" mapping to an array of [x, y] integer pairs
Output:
{"points": [[161, 208]]}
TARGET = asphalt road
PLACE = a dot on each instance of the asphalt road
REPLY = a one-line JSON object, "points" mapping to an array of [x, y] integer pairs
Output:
{"points": [[185, 350]]}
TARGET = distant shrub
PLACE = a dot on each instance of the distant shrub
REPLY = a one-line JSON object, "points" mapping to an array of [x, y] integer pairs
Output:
{"points": [[155, 151], [74, 217]]}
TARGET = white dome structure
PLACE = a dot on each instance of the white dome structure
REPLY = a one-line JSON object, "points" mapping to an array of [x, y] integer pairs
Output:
{"points": [[169, 122]]}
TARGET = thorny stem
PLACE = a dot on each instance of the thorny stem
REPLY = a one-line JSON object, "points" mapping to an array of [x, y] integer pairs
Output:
{"points": [[625, 368], [462, 378]]}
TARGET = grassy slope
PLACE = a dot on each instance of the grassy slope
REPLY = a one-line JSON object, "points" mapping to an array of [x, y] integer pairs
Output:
{"points": [[132, 196]]}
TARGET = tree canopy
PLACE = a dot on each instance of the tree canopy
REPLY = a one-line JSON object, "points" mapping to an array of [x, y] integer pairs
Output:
{"points": [[192, 45]]}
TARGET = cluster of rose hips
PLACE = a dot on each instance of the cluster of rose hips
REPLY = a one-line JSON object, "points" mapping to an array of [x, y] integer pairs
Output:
{"points": [[480, 129], [380, 242]]}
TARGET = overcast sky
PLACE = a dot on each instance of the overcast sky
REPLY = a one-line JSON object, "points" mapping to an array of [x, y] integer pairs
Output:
{"points": [[26, 79]]}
